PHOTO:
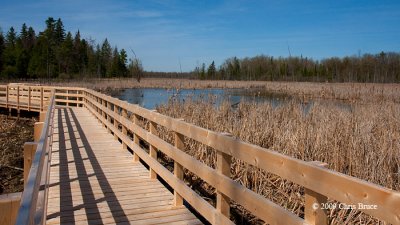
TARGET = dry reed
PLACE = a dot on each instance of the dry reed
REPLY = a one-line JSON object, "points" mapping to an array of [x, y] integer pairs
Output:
{"points": [[13, 134], [362, 142]]}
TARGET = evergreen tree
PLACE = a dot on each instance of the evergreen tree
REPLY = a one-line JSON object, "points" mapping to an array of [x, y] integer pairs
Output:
{"points": [[38, 62], [123, 58], [106, 58], [59, 32], [211, 71], [10, 54], [66, 56]]}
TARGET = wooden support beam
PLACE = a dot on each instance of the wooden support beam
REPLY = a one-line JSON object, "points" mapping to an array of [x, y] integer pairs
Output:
{"points": [[153, 150], [29, 152], [136, 138], [178, 168], [314, 213], [37, 131], [224, 162], [9, 205]]}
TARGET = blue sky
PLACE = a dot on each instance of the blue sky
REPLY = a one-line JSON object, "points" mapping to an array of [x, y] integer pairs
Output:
{"points": [[164, 33]]}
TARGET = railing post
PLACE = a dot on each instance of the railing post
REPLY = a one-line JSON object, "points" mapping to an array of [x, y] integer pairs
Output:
{"points": [[7, 93], [29, 152], [67, 97], [115, 122], [104, 103], [18, 99], [109, 117], [42, 116], [136, 137], [124, 130], [98, 109], [178, 168], [37, 131], [153, 150], [224, 162], [29, 98], [314, 214], [9, 205], [41, 99]]}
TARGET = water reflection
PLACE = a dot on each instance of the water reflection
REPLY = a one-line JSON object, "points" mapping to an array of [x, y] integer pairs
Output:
{"points": [[151, 97]]}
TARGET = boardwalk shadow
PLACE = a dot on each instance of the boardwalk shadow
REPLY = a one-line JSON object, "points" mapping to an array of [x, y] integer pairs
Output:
{"points": [[90, 184]]}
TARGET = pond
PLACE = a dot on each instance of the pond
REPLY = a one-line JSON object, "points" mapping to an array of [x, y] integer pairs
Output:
{"points": [[151, 97]]}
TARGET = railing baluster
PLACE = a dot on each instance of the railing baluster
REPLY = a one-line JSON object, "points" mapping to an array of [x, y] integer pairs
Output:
{"points": [[178, 168], [314, 213], [153, 150], [224, 162]]}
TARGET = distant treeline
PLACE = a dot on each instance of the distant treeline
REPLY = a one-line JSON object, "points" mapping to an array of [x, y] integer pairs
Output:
{"points": [[55, 53], [382, 67]]}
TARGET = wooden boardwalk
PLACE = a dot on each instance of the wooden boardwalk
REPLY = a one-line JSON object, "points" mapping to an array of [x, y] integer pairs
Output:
{"points": [[94, 181], [78, 173]]}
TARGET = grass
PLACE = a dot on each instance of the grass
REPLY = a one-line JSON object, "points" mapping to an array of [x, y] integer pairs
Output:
{"points": [[362, 142]]}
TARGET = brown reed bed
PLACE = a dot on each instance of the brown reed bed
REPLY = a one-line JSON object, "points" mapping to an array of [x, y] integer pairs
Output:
{"points": [[13, 134], [362, 142]]}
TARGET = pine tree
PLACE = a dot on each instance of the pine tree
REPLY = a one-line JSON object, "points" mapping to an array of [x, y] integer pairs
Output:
{"points": [[10, 54], [59, 32], [211, 71], [123, 58], [66, 56], [31, 38], [106, 56]]}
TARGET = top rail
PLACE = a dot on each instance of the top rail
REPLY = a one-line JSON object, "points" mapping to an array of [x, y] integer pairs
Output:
{"points": [[32, 209]]}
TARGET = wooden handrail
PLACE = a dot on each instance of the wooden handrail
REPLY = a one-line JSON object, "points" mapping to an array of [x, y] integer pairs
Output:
{"points": [[320, 183], [33, 208], [337, 186]]}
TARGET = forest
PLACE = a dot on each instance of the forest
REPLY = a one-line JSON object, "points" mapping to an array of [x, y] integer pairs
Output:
{"points": [[55, 53], [372, 68]]}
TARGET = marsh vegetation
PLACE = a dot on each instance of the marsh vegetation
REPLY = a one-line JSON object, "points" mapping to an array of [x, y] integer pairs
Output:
{"points": [[362, 142]]}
